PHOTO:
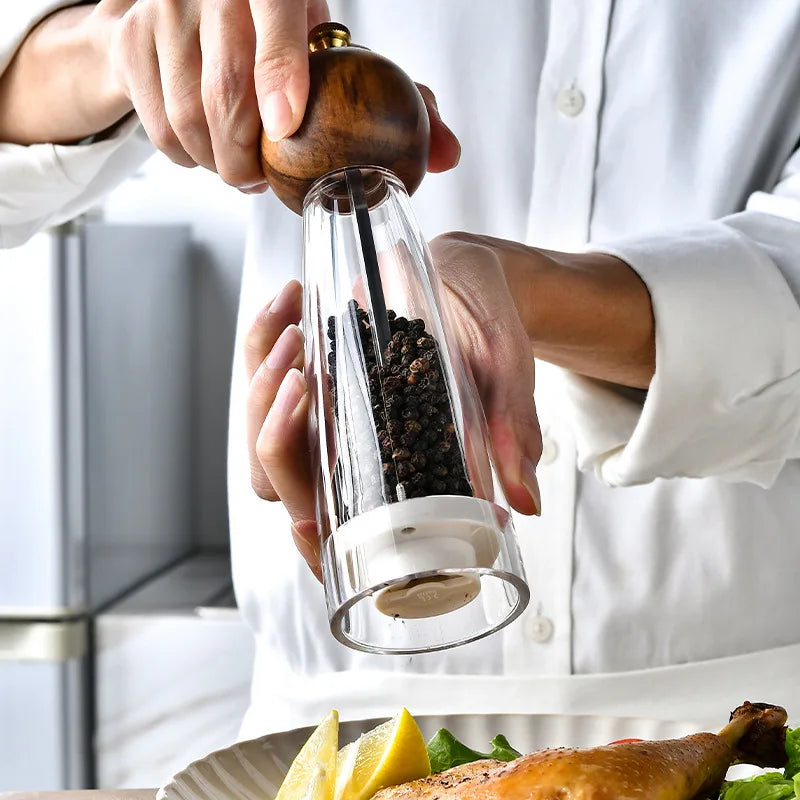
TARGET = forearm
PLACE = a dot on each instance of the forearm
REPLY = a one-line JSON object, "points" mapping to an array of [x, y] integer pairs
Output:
{"points": [[589, 313], [58, 88]]}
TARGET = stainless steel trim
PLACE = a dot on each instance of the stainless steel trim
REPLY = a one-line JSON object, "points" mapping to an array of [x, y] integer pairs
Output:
{"points": [[43, 641], [71, 346]]}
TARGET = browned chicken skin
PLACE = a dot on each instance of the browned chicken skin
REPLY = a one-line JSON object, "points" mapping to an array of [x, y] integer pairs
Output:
{"points": [[673, 769]]}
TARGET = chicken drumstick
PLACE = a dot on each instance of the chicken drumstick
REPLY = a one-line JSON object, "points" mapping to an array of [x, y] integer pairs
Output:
{"points": [[691, 768]]}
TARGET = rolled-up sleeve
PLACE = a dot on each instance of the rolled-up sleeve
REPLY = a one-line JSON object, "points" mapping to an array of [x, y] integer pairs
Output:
{"points": [[46, 184], [725, 397]]}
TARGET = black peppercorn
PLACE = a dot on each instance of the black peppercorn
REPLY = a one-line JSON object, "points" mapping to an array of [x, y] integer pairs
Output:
{"points": [[412, 428], [411, 410], [405, 469]]}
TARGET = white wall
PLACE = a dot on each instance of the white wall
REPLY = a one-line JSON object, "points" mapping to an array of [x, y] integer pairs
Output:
{"points": [[164, 192]]}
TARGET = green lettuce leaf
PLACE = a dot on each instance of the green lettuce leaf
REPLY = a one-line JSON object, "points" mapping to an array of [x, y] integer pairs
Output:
{"points": [[770, 786], [445, 751], [793, 751]]}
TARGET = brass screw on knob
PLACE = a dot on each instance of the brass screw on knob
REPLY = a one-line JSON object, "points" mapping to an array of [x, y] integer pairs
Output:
{"points": [[328, 34]]}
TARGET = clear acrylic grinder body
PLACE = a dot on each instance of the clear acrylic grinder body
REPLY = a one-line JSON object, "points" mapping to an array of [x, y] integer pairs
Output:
{"points": [[418, 545]]}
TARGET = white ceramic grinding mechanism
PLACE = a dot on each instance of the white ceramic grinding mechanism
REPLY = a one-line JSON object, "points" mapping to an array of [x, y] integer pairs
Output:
{"points": [[418, 548]]}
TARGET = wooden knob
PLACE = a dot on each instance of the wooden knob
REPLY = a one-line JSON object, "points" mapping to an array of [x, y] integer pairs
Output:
{"points": [[363, 110]]}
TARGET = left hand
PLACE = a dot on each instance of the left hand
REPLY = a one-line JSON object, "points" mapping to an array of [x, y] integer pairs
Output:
{"points": [[492, 340], [589, 312]]}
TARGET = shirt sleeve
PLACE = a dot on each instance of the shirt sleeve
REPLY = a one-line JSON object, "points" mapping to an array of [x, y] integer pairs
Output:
{"points": [[46, 184], [725, 397]]}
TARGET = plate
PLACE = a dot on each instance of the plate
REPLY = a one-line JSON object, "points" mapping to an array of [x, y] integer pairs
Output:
{"points": [[254, 769]]}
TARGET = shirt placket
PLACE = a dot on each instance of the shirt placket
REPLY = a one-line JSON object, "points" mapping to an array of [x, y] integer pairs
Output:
{"points": [[568, 106], [567, 122]]}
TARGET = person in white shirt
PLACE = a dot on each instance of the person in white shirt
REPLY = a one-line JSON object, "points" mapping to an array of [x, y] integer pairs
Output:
{"points": [[654, 154]]}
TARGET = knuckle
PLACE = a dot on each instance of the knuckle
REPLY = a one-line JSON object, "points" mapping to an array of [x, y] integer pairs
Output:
{"points": [[225, 86], [254, 339], [260, 385], [451, 242], [164, 138], [187, 116], [268, 449], [254, 356], [130, 27], [280, 62]]}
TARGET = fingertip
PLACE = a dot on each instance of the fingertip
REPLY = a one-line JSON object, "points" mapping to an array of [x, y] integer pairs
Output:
{"points": [[318, 12], [277, 115], [282, 81], [530, 483], [306, 540], [288, 301], [445, 150], [291, 391]]}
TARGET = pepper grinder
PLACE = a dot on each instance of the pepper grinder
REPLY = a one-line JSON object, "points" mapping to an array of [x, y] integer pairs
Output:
{"points": [[417, 542]]}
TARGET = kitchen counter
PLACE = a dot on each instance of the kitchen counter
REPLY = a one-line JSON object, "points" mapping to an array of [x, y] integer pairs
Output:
{"points": [[110, 794]]}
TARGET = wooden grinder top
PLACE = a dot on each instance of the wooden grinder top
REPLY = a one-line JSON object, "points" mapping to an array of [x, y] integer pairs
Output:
{"points": [[363, 110]]}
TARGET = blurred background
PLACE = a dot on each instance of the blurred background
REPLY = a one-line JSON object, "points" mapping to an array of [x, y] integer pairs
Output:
{"points": [[122, 653]]}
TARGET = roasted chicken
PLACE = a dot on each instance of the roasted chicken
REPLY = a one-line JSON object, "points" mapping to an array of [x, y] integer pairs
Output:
{"points": [[691, 768]]}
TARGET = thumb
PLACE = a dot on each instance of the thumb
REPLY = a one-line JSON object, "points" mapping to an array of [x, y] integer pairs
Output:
{"points": [[281, 65], [445, 150]]}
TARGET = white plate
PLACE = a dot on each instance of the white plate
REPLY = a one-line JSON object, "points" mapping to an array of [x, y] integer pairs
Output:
{"points": [[253, 770]]}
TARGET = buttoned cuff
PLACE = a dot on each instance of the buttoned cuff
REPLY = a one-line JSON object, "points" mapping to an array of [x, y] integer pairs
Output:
{"points": [[725, 397], [47, 184]]}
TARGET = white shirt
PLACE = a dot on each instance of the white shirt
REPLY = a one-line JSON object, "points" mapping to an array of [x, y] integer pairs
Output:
{"points": [[669, 531]]}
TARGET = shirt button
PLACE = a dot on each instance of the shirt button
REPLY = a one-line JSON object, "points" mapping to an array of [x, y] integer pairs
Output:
{"points": [[539, 629], [549, 451], [570, 101]]}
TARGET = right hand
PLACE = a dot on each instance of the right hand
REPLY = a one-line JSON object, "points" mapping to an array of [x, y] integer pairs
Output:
{"points": [[205, 75]]}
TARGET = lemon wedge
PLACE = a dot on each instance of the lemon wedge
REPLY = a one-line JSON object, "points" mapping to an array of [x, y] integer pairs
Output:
{"points": [[388, 755], [345, 764], [312, 775]]}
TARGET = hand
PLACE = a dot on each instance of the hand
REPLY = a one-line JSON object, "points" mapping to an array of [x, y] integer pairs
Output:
{"points": [[204, 75], [494, 344]]}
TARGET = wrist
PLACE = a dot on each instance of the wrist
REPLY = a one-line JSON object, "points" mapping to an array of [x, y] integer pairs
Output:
{"points": [[588, 312], [78, 99], [110, 102]]}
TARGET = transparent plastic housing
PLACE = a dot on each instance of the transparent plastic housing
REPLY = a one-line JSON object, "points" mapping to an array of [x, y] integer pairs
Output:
{"points": [[418, 546]]}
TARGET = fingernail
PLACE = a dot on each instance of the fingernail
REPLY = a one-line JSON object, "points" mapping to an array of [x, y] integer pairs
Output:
{"points": [[458, 156], [283, 303], [307, 544], [276, 114], [527, 477], [291, 391], [258, 188], [309, 549], [285, 351]]}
